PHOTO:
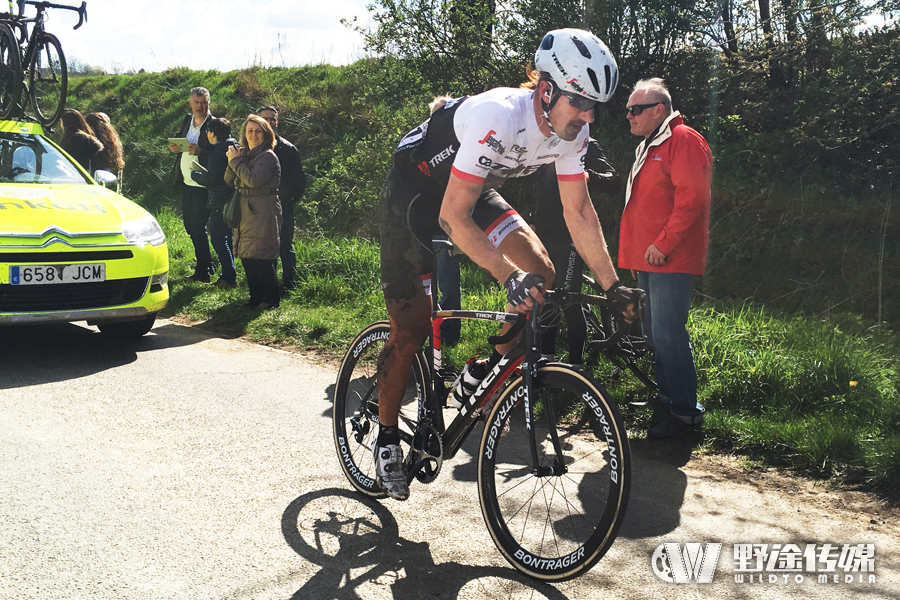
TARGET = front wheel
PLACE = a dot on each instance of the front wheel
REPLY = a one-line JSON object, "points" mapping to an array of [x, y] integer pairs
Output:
{"points": [[355, 412], [555, 524], [128, 329], [49, 80], [10, 72]]}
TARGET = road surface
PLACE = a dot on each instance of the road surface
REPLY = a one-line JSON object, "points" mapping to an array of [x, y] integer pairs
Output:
{"points": [[189, 466]]}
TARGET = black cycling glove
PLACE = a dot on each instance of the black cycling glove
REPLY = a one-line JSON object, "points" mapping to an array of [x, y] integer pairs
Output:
{"points": [[620, 294], [519, 283]]}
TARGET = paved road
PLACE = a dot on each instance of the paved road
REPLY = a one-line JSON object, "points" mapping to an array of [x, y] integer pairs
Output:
{"points": [[186, 466]]}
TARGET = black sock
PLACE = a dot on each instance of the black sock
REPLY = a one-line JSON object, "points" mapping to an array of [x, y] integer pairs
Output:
{"points": [[388, 436]]}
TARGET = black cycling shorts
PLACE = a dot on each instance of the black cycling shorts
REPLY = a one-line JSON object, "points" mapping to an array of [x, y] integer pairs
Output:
{"points": [[408, 214]]}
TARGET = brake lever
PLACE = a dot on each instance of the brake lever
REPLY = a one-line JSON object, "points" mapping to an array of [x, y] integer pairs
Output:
{"points": [[82, 14]]}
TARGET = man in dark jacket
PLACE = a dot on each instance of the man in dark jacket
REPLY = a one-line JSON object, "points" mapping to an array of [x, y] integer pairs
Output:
{"points": [[219, 135], [194, 212], [293, 182], [550, 226]]}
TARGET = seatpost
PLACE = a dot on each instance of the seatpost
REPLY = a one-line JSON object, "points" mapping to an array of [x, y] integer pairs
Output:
{"points": [[435, 340]]}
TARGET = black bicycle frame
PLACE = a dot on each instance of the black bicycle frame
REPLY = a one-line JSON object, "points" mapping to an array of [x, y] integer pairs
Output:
{"points": [[527, 355], [456, 433], [38, 21]]}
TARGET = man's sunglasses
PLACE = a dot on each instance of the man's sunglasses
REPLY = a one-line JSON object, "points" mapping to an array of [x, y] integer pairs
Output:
{"points": [[639, 108], [579, 103]]}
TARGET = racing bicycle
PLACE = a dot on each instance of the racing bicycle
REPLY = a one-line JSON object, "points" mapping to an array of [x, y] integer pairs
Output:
{"points": [[554, 463], [34, 65]]}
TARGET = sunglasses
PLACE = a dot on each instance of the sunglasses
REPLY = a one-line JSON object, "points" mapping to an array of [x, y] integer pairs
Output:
{"points": [[639, 108], [580, 103]]}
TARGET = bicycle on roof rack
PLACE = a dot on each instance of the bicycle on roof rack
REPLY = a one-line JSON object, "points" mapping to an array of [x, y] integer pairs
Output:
{"points": [[33, 65]]}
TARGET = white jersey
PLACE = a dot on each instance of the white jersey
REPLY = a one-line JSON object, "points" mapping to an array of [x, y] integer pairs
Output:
{"points": [[488, 138]]}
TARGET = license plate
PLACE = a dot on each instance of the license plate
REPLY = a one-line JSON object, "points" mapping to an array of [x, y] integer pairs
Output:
{"points": [[49, 274]]}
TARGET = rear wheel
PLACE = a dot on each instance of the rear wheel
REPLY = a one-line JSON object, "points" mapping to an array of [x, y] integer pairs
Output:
{"points": [[555, 524], [355, 412], [49, 80], [10, 72]]}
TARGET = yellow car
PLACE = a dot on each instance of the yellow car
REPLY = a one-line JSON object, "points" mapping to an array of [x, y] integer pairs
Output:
{"points": [[71, 249]]}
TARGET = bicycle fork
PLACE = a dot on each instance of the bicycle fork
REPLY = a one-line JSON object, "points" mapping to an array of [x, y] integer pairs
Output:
{"points": [[529, 373]]}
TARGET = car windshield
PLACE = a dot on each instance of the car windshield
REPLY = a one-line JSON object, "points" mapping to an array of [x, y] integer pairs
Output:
{"points": [[31, 159]]}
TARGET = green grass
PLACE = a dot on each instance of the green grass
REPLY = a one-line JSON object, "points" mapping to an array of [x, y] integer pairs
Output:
{"points": [[819, 395]]}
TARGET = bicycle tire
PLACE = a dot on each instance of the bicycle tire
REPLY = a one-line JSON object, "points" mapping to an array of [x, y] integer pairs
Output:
{"points": [[355, 410], [10, 72], [48, 80], [556, 527]]}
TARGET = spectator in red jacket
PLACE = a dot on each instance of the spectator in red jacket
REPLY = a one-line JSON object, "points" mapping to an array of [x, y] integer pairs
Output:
{"points": [[664, 238]]}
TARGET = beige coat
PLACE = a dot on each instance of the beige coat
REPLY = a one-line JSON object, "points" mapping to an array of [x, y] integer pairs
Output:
{"points": [[257, 175]]}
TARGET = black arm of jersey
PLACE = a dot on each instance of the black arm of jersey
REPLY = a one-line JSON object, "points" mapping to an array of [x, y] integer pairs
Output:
{"points": [[603, 176]]}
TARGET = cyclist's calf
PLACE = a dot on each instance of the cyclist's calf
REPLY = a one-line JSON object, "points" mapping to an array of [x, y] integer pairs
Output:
{"points": [[410, 326]]}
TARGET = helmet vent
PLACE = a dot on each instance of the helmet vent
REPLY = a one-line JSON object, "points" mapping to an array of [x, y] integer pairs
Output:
{"points": [[611, 82], [547, 42], [581, 47], [594, 81]]}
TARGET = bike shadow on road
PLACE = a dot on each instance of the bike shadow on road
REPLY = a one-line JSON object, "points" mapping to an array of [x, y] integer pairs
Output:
{"points": [[657, 487], [356, 542], [657, 482], [40, 354]]}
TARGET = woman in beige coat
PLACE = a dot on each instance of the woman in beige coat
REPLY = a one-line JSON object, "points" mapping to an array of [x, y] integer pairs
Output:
{"points": [[254, 171]]}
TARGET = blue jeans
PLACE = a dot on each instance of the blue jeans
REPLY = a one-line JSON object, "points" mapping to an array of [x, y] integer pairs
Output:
{"points": [[288, 256], [665, 318], [448, 281], [220, 237]]}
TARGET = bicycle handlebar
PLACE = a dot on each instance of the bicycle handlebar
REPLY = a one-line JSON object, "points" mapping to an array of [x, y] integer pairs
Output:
{"points": [[510, 335], [564, 298], [81, 10], [561, 296]]}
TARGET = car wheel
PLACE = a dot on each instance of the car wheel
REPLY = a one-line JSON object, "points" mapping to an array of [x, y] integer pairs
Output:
{"points": [[128, 329]]}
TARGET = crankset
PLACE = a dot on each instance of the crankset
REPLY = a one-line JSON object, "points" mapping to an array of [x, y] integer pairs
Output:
{"points": [[428, 450]]}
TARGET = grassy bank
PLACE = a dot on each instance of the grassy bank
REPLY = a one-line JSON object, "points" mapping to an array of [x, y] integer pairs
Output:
{"points": [[793, 230], [820, 395]]}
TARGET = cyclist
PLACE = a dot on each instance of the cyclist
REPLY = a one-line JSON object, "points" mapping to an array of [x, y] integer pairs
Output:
{"points": [[443, 182]]}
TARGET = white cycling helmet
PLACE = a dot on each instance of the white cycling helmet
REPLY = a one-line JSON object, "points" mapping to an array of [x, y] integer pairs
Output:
{"points": [[579, 63]]}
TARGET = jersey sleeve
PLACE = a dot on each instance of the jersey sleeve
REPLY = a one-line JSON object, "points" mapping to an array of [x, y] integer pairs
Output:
{"points": [[484, 138], [570, 166]]}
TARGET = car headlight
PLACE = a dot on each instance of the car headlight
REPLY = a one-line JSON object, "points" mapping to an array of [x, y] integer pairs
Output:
{"points": [[144, 230]]}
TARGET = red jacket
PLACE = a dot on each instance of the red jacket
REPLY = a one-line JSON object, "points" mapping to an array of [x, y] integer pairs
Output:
{"points": [[667, 201]]}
